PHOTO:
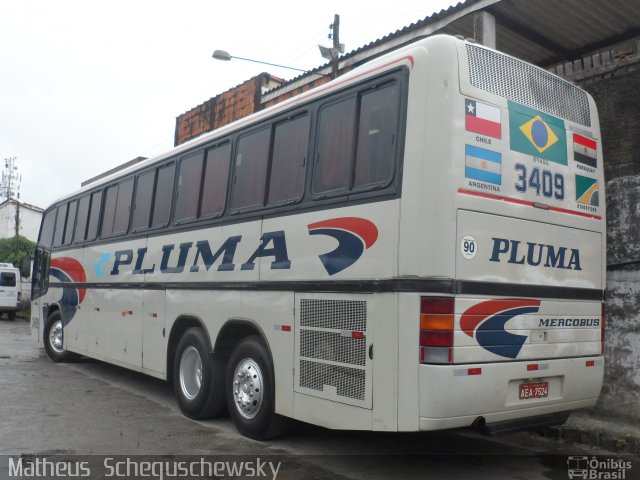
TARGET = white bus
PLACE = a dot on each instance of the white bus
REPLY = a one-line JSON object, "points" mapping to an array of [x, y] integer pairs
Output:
{"points": [[416, 245]]}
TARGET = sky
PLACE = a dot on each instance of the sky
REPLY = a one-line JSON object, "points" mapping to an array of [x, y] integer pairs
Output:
{"points": [[87, 85]]}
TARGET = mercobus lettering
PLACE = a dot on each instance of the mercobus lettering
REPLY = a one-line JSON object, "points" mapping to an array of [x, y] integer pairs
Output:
{"points": [[534, 254], [569, 322]]}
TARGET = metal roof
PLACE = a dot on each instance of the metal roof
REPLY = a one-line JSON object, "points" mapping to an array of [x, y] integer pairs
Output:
{"points": [[543, 32]]}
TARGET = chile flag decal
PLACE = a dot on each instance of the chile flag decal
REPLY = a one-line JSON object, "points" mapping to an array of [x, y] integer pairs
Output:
{"points": [[354, 236]]}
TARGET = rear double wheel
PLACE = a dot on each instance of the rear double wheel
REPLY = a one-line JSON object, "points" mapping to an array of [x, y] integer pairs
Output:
{"points": [[198, 376], [250, 391]]}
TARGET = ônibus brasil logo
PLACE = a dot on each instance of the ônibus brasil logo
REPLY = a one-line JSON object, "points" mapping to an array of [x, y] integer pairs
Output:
{"points": [[354, 236], [486, 322], [69, 270]]}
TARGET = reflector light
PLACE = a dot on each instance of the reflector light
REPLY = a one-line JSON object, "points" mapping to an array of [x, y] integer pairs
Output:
{"points": [[590, 363], [474, 371], [532, 366]]}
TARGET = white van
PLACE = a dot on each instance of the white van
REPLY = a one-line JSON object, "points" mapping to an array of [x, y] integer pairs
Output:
{"points": [[10, 290]]}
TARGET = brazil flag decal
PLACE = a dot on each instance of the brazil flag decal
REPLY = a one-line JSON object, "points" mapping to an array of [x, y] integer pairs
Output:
{"points": [[536, 133]]}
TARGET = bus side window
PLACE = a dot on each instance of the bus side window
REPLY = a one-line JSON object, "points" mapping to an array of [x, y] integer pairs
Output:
{"points": [[117, 207], [123, 207], [377, 132], [81, 223], [188, 188], [48, 224], [71, 222], [109, 210], [163, 196], [251, 170], [335, 146], [143, 199], [94, 215], [216, 176], [290, 144], [60, 225]]}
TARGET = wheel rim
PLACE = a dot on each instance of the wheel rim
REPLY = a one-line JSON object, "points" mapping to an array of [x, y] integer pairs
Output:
{"points": [[56, 337], [190, 372], [247, 388]]}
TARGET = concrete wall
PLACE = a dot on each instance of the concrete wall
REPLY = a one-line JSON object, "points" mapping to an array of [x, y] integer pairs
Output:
{"points": [[613, 78], [30, 218]]}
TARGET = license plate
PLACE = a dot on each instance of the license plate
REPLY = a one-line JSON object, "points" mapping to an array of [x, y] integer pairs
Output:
{"points": [[534, 390]]}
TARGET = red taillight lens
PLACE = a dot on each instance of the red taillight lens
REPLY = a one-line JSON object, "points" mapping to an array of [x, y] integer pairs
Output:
{"points": [[436, 338], [436, 329], [603, 322]]}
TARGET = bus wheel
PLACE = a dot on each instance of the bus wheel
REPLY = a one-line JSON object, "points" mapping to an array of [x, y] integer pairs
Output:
{"points": [[198, 376], [250, 391], [11, 316], [54, 339]]}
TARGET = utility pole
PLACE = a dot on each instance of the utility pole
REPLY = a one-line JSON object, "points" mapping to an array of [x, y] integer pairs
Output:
{"points": [[334, 52], [335, 33], [10, 190], [10, 183]]}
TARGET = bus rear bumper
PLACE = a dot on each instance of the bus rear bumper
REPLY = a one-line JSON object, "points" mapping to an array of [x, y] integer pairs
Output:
{"points": [[450, 397]]}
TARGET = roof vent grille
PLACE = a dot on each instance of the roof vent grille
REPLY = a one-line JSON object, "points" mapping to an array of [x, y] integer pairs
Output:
{"points": [[523, 83]]}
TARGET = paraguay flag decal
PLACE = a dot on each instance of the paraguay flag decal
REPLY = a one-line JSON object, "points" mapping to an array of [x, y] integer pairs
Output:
{"points": [[354, 236]]}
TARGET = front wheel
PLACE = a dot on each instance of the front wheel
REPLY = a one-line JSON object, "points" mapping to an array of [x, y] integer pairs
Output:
{"points": [[54, 339], [250, 391], [198, 376]]}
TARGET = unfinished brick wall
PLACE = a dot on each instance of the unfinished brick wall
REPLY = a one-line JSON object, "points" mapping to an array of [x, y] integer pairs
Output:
{"points": [[222, 109]]}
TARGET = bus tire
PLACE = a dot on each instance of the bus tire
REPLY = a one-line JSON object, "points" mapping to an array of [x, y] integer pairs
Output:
{"points": [[198, 376], [11, 316], [250, 391], [54, 339]]}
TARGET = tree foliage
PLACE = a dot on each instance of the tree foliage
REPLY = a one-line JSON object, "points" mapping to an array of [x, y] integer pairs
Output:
{"points": [[13, 252]]}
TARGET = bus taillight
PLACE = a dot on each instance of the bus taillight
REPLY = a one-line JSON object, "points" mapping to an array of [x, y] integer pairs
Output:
{"points": [[436, 330], [603, 322]]}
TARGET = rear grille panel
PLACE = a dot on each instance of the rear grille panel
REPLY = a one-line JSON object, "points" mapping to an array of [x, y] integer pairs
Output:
{"points": [[528, 85], [331, 362]]}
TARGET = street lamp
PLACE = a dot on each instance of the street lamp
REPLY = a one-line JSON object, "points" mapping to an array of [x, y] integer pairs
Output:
{"points": [[225, 56]]}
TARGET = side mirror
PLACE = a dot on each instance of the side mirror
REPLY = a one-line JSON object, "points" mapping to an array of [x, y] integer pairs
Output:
{"points": [[25, 266]]}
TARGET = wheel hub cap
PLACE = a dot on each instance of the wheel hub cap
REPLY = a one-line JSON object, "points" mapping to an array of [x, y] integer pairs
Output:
{"points": [[247, 388], [190, 372], [55, 337]]}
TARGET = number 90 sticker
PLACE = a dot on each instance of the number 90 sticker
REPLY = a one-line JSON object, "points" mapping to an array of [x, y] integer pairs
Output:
{"points": [[468, 247]]}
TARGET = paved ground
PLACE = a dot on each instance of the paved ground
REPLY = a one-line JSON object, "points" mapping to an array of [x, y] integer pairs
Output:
{"points": [[93, 408]]}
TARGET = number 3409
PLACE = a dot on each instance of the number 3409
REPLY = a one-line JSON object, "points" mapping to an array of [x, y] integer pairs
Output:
{"points": [[550, 184]]}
